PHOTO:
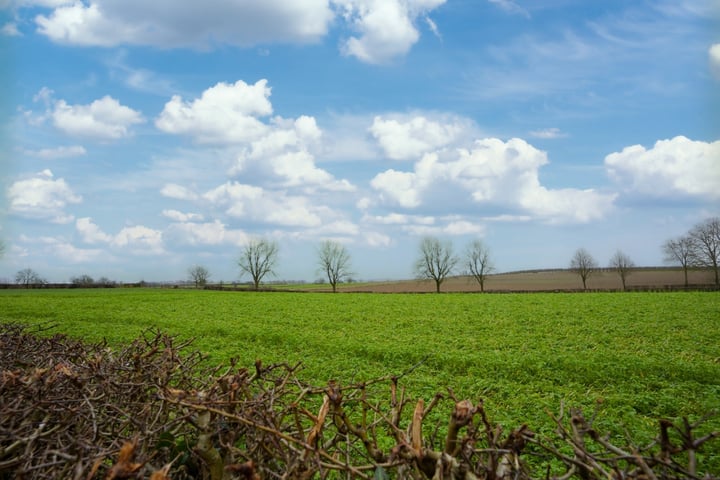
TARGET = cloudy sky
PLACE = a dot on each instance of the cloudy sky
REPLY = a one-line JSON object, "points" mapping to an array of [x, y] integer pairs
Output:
{"points": [[142, 137]]}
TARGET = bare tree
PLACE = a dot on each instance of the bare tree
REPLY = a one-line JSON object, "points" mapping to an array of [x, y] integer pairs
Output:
{"points": [[334, 260], [29, 278], [2, 248], [478, 262], [199, 275], [705, 238], [258, 259], [680, 250], [583, 264], [623, 265], [436, 260], [106, 282], [82, 280]]}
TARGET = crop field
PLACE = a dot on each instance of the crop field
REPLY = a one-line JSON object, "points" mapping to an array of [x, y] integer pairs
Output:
{"points": [[635, 357]]}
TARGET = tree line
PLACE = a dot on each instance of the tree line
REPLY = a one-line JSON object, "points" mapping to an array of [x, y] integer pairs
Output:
{"points": [[437, 261]]}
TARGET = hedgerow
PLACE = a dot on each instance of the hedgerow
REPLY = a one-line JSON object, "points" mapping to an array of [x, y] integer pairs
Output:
{"points": [[155, 409]]}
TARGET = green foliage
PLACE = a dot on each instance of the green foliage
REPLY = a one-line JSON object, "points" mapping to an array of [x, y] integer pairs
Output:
{"points": [[636, 357]]}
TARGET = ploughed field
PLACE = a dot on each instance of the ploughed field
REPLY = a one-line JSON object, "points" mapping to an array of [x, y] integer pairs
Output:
{"points": [[547, 280], [635, 357]]}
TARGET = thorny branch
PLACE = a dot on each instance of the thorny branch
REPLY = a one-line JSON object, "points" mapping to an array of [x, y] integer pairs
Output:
{"points": [[70, 410]]}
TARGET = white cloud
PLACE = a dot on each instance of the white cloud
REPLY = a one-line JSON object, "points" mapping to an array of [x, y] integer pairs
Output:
{"points": [[284, 152], [251, 202], [182, 217], [209, 233], [511, 7], [57, 152], [548, 133], [405, 188], [42, 197], [493, 173], [172, 190], [103, 119], [386, 27], [276, 152], [58, 248], [90, 232], [714, 59], [399, 219], [70, 253], [463, 227], [140, 240], [10, 30], [410, 138], [224, 114], [377, 239], [678, 166], [298, 170], [137, 239], [169, 24], [433, 27]]}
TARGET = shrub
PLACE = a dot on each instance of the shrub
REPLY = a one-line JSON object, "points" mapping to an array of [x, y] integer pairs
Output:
{"points": [[151, 410]]}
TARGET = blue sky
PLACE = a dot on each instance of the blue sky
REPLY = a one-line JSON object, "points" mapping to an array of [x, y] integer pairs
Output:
{"points": [[140, 138]]}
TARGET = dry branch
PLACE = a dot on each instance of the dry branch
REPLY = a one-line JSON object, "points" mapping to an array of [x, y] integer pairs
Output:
{"points": [[152, 410]]}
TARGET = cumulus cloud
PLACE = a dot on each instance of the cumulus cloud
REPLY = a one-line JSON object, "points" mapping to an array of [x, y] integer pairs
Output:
{"points": [[68, 252], [376, 239], [58, 248], [136, 239], [383, 29], [224, 114], [251, 202], [714, 59], [173, 190], [171, 24], [206, 233], [90, 232], [103, 119], [140, 240], [276, 151], [678, 166], [42, 197], [409, 138], [492, 173], [182, 217], [386, 28]]}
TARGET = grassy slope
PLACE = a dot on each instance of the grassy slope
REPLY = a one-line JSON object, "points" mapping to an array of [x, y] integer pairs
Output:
{"points": [[639, 356]]}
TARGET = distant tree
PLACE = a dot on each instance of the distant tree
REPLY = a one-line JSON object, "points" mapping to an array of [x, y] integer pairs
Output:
{"points": [[622, 264], [199, 275], [334, 262], [258, 259], [705, 238], [436, 261], [583, 264], [82, 281], [106, 282], [28, 278], [680, 250], [478, 262]]}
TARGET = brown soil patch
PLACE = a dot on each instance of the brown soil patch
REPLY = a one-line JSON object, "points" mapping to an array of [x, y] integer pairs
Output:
{"points": [[547, 280]]}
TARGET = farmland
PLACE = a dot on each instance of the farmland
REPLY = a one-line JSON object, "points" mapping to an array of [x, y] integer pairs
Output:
{"points": [[634, 356]]}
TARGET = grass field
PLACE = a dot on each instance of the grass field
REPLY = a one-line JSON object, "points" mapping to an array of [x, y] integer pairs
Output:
{"points": [[635, 356]]}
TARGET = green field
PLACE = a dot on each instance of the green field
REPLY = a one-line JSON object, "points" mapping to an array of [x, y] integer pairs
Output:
{"points": [[635, 356]]}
